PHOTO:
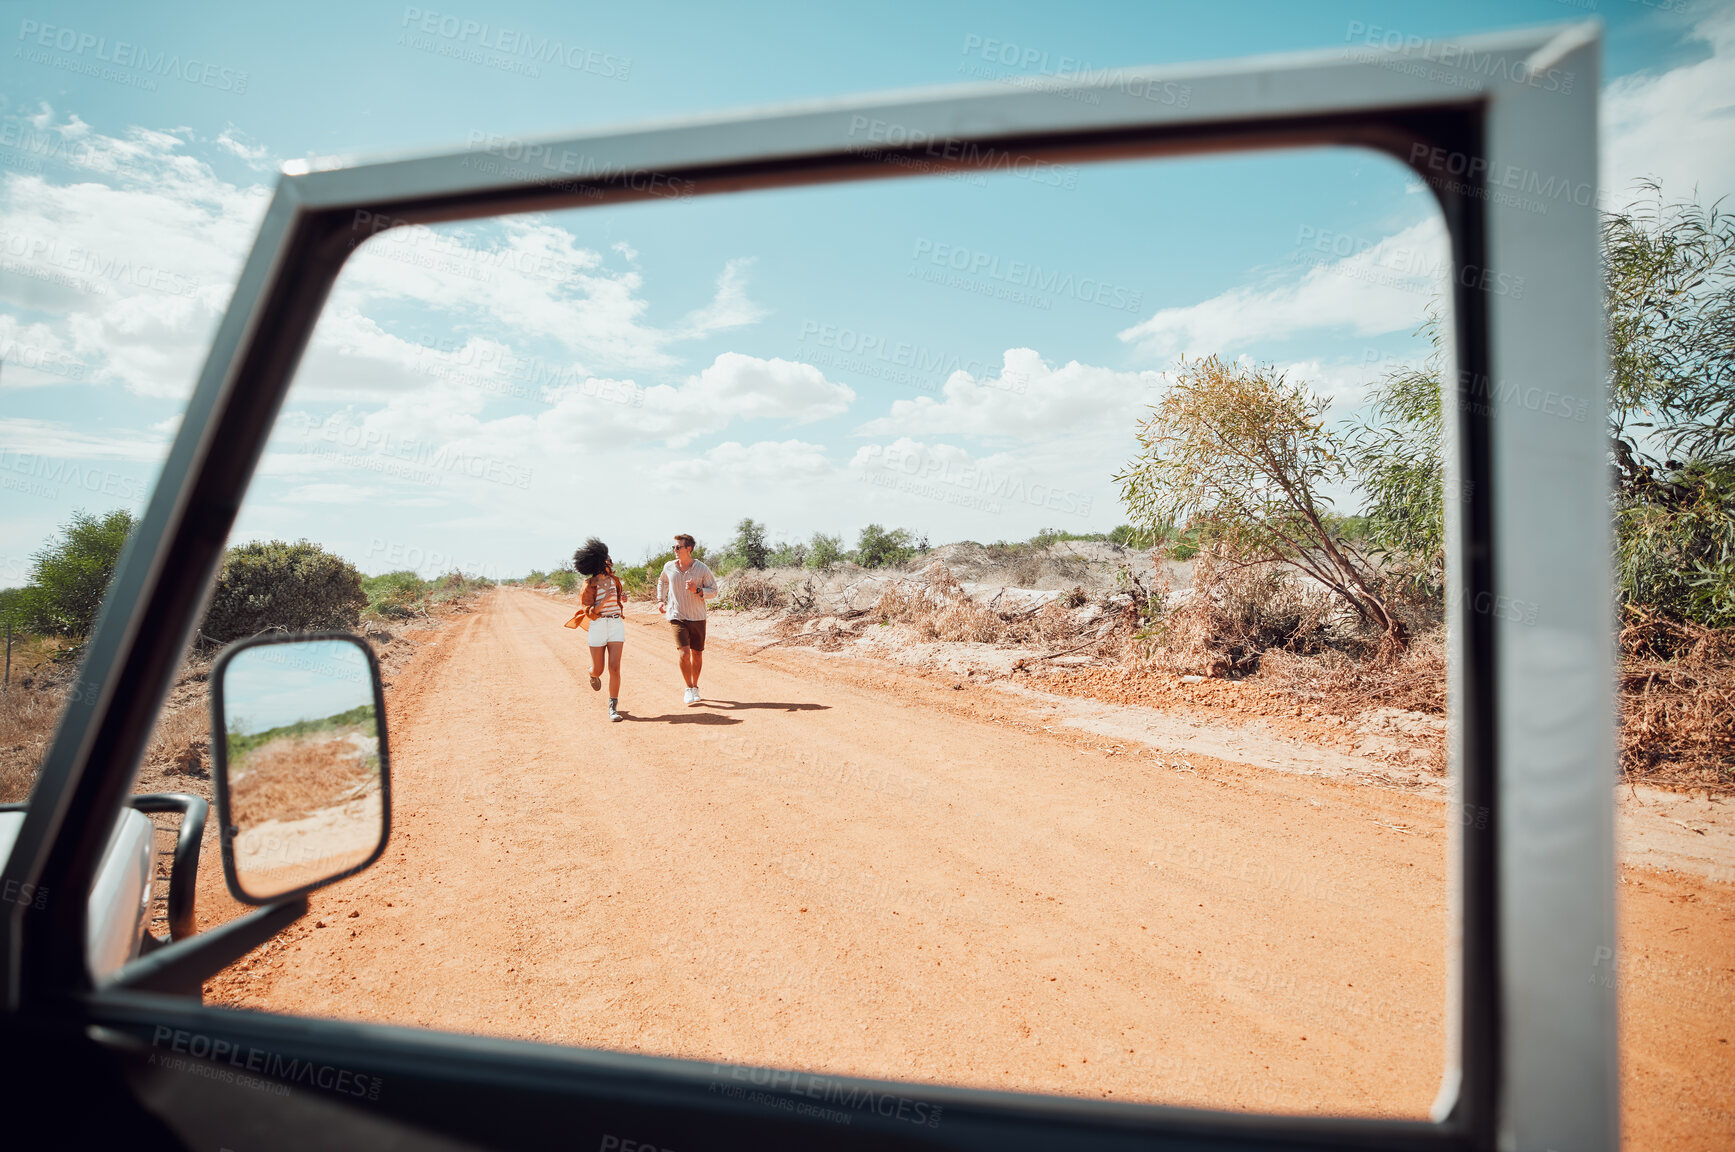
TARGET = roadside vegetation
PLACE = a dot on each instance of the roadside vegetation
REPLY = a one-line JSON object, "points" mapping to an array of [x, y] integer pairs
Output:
{"points": [[358, 719], [403, 595], [261, 587], [1351, 608]]}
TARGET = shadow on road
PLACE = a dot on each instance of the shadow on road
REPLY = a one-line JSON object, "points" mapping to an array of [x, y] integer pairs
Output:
{"points": [[742, 706], [682, 718]]}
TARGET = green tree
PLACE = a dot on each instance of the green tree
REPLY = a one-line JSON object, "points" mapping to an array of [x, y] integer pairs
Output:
{"points": [[879, 548], [70, 576], [15, 608], [396, 595], [824, 552], [1669, 287], [1669, 278], [1400, 467], [1670, 292], [270, 585], [1239, 457], [788, 554], [748, 549], [1675, 545]]}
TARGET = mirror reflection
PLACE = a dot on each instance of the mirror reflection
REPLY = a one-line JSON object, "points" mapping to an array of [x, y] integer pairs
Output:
{"points": [[304, 763]]}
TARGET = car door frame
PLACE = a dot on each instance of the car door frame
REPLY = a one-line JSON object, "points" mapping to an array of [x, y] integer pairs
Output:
{"points": [[1531, 1052]]}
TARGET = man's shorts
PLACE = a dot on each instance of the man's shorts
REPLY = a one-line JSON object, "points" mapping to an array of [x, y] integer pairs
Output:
{"points": [[689, 634], [607, 630]]}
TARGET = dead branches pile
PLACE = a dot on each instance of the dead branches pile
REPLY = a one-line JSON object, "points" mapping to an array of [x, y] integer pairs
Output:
{"points": [[1677, 702]]}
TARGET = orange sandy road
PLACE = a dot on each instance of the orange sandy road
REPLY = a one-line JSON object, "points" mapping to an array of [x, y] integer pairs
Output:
{"points": [[831, 871], [844, 867]]}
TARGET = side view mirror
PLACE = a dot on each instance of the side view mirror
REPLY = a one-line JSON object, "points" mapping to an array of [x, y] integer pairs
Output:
{"points": [[302, 773]]}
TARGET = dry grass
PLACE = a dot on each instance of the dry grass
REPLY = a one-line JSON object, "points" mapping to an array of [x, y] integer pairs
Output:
{"points": [[1332, 681], [1237, 614], [30, 708], [750, 589], [293, 777], [27, 720], [181, 739], [1677, 701], [938, 609]]}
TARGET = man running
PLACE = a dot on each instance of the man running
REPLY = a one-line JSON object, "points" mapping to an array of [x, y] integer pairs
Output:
{"points": [[682, 589]]}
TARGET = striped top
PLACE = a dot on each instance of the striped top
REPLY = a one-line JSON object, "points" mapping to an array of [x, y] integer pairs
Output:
{"points": [[672, 589], [607, 596]]}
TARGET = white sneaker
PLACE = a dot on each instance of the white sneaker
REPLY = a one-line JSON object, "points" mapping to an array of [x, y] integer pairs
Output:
{"points": [[692, 696]]}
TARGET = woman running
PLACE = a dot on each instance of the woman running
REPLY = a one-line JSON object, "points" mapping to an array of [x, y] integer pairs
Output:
{"points": [[602, 598]]}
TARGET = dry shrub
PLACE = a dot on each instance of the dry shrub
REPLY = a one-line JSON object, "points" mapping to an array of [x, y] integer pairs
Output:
{"points": [[181, 738], [965, 623], [1333, 681], [294, 776], [1238, 612], [803, 597], [1677, 702], [938, 609], [749, 589], [1050, 625]]}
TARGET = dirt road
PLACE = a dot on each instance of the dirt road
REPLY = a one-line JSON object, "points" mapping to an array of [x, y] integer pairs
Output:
{"points": [[842, 868]]}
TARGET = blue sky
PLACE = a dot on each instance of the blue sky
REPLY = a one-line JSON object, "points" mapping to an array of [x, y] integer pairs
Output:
{"points": [[965, 357], [277, 684]]}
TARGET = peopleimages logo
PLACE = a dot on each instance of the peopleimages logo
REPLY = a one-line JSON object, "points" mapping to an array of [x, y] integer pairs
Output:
{"points": [[530, 161], [922, 467], [1458, 63], [285, 1070], [1407, 269], [1023, 274], [47, 476], [76, 261], [532, 48], [869, 347], [967, 154], [434, 460], [1483, 178], [394, 231], [24, 139], [122, 54], [37, 359], [827, 1090], [1038, 60]]}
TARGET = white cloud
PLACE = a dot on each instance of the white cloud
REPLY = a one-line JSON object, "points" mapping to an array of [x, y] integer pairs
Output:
{"points": [[754, 389], [330, 494], [1677, 126], [1027, 400], [137, 255], [1381, 288], [51, 438], [786, 463], [257, 156], [135, 258], [730, 308], [1054, 482], [34, 355], [591, 416], [527, 280]]}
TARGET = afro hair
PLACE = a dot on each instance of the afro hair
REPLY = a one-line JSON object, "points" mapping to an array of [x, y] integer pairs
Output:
{"points": [[590, 559]]}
